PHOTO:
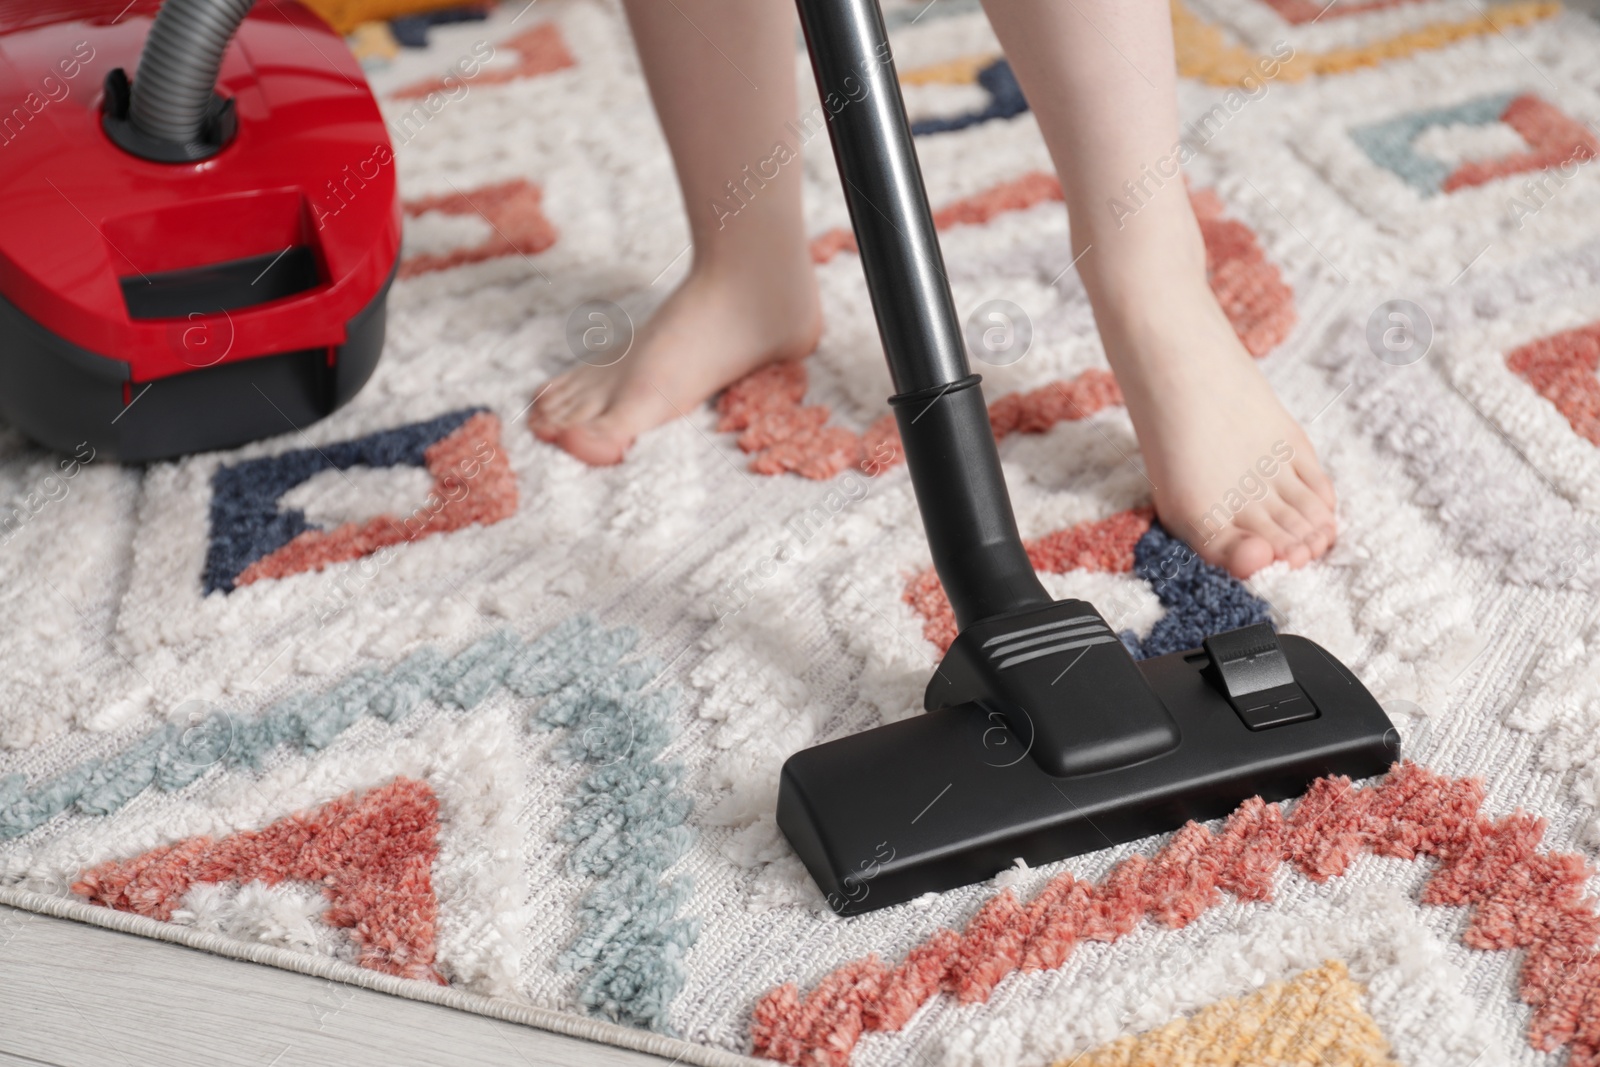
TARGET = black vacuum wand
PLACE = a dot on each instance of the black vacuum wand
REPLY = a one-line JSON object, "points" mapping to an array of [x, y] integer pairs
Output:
{"points": [[1043, 737], [938, 405]]}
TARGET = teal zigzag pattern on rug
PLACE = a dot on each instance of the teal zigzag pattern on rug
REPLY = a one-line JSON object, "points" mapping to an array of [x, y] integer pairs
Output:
{"points": [[627, 822], [627, 826]]}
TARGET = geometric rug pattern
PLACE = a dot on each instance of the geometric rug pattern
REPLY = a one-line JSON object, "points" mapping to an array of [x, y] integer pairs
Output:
{"points": [[410, 699], [1315, 1017]]}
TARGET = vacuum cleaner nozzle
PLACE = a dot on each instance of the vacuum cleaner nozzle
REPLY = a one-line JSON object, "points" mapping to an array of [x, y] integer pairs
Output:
{"points": [[1077, 749]]}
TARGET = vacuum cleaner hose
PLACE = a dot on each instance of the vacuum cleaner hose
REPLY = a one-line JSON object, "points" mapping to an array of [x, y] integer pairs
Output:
{"points": [[178, 68]]}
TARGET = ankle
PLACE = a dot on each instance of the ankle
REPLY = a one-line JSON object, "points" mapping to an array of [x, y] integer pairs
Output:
{"points": [[1141, 300], [776, 287], [762, 256], [1144, 263]]}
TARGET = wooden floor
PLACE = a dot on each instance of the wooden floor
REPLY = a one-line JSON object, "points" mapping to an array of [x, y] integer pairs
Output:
{"points": [[78, 996]]}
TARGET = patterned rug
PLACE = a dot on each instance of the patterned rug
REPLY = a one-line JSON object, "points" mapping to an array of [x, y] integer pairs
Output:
{"points": [[413, 700]]}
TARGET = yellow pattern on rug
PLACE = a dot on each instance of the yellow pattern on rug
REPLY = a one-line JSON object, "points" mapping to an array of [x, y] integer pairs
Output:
{"points": [[1316, 1018], [1205, 54], [373, 40], [962, 70], [346, 15]]}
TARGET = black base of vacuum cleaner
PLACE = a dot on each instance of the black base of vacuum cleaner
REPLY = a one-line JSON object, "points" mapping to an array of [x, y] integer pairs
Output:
{"points": [[62, 395], [952, 797]]}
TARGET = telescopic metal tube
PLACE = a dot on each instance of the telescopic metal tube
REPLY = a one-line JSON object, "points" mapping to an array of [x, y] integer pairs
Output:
{"points": [[944, 424], [883, 185]]}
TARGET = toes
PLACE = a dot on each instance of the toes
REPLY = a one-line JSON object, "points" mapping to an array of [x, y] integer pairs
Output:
{"points": [[1248, 553], [1304, 500], [546, 403], [1215, 548], [1295, 525], [1287, 516], [555, 413], [547, 425], [598, 442], [1319, 542], [556, 405], [1237, 551], [1258, 520], [1310, 472], [570, 413], [540, 422], [554, 393]]}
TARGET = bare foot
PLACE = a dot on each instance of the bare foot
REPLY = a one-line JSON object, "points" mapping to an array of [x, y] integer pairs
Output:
{"points": [[712, 331], [1233, 474]]}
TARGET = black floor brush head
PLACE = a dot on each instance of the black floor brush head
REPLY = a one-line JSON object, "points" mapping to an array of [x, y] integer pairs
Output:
{"points": [[953, 796]]}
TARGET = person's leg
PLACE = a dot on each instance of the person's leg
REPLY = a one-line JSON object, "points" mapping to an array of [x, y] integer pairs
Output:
{"points": [[1101, 79], [722, 75]]}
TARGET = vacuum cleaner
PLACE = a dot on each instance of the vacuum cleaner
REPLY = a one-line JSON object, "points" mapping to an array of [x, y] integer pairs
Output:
{"points": [[201, 223], [1043, 738]]}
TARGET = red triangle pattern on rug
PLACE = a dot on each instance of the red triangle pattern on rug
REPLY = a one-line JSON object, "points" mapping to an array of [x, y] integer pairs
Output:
{"points": [[373, 856]]}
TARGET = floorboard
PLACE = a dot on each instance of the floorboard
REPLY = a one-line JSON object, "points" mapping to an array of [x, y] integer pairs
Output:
{"points": [[77, 996]]}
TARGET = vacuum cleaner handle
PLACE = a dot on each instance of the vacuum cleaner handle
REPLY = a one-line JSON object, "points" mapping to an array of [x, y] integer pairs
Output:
{"points": [[939, 406]]}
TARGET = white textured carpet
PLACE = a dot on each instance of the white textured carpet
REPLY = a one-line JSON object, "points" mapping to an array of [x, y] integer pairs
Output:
{"points": [[568, 764]]}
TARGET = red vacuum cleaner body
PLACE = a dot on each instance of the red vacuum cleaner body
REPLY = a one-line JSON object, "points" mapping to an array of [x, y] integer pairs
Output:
{"points": [[155, 307]]}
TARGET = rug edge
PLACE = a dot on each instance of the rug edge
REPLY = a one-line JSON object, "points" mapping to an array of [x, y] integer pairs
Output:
{"points": [[548, 1019]]}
